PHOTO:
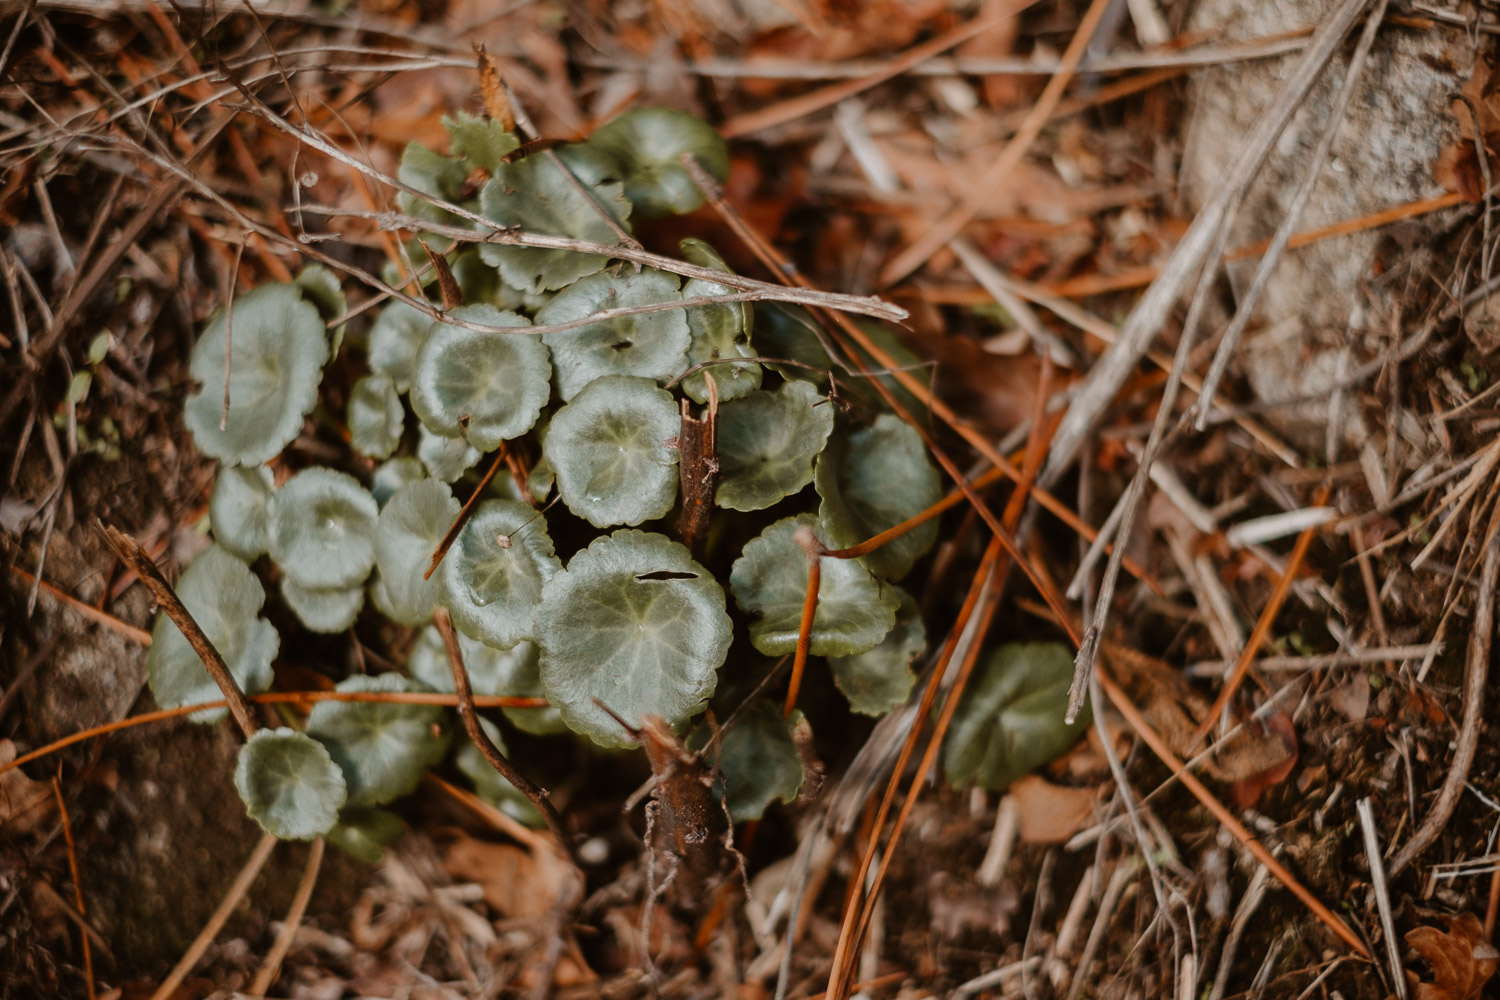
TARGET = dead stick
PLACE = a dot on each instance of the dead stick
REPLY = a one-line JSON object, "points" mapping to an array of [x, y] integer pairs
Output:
{"points": [[470, 716], [464, 513], [131, 553]]}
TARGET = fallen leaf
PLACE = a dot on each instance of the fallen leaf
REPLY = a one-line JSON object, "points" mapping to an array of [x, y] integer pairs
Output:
{"points": [[1051, 813], [24, 803], [515, 882], [1462, 960]]}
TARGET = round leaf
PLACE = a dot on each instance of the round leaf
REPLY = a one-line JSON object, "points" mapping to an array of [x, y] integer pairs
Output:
{"points": [[376, 416], [395, 338], [364, 832], [1010, 721], [490, 784], [760, 761], [323, 529], [480, 142], [649, 143], [323, 289], [393, 474], [445, 458], [635, 623], [408, 531], [879, 679], [433, 174], [289, 784], [650, 345], [239, 509], [224, 598], [327, 610], [769, 582], [873, 480], [609, 450], [717, 332], [384, 748], [535, 194], [767, 444], [492, 671], [487, 387], [493, 575], [278, 348]]}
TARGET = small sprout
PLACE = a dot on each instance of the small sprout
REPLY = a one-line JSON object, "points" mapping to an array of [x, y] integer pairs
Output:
{"points": [[534, 194], [408, 531], [384, 748], [873, 480], [289, 784], [323, 529], [328, 610], [393, 474], [445, 458], [224, 598], [487, 387], [649, 345], [648, 143], [633, 623], [376, 416], [395, 338], [491, 589], [239, 509], [718, 331], [278, 348], [880, 678], [609, 449], [769, 583], [767, 444]]}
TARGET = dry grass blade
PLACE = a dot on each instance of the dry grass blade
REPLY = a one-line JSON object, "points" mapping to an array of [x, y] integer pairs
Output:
{"points": [[83, 910], [265, 976]]}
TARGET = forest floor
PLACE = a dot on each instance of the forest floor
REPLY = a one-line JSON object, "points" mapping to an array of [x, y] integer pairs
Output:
{"points": [[1009, 174]]}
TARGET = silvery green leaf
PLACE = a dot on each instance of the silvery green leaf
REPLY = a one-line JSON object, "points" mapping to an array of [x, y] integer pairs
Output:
{"points": [[512, 672], [485, 387], [323, 289], [278, 348], [384, 748], [493, 575], [395, 338], [479, 142], [393, 474], [364, 832], [408, 531], [717, 331], [289, 784], [239, 509], [610, 450], [759, 761], [376, 416], [434, 175], [326, 610], [649, 345], [445, 458], [323, 529], [648, 143], [879, 679], [636, 623], [767, 444]]}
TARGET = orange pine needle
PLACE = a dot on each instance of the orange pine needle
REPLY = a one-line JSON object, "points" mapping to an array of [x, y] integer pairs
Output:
{"points": [[88, 611], [814, 550], [83, 912]]}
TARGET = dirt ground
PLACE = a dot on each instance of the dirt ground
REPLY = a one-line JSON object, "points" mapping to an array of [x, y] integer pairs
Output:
{"points": [[1036, 184]]}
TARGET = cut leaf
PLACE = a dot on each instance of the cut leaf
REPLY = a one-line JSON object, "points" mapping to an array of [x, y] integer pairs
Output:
{"points": [[408, 531], [719, 331], [323, 529], [1010, 721], [635, 623], [879, 679], [493, 576], [239, 509], [490, 784], [445, 458], [492, 671], [538, 197], [278, 348], [767, 444], [769, 582], [649, 345], [224, 598], [376, 416], [384, 748], [610, 450], [648, 143], [485, 387], [759, 761], [289, 784], [395, 338], [872, 480], [364, 832], [391, 475], [323, 610]]}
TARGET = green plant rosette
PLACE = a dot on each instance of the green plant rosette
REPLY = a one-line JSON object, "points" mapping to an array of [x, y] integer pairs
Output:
{"points": [[651, 345]]}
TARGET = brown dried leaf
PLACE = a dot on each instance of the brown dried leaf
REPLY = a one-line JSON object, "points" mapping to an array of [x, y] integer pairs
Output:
{"points": [[516, 882], [1462, 960], [1050, 814], [24, 803], [492, 90]]}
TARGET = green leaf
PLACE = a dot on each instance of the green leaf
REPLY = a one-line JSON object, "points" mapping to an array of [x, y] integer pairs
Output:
{"points": [[786, 331], [376, 416], [649, 345], [719, 331], [327, 610], [323, 289], [610, 449], [239, 509], [767, 444], [445, 458], [635, 623], [490, 784], [535, 195], [395, 338], [873, 480], [289, 784], [879, 679], [408, 531], [648, 143], [433, 174], [487, 387], [480, 142], [224, 598], [393, 474], [278, 349], [512, 672], [493, 576], [769, 582], [384, 748], [364, 832], [323, 529], [1010, 721], [759, 761]]}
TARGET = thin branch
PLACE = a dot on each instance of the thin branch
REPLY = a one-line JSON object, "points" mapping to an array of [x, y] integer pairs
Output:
{"points": [[265, 976]]}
